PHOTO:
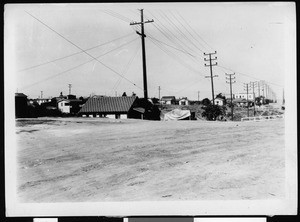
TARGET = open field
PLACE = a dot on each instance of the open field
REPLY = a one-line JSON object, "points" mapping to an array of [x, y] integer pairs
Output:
{"points": [[89, 159]]}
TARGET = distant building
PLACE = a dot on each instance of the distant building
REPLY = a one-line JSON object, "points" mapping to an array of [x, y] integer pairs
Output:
{"points": [[69, 105], [184, 101], [243, 96], [242, 102], [113, 107], [219, 101], [168, 100], [42, 100], [21, 105]]}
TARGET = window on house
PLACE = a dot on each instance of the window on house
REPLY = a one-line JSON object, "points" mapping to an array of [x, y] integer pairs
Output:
{"points": [[67, 104]]}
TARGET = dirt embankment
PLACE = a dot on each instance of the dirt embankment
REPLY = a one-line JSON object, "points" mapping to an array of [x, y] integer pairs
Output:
{"points": [[77, 159]]}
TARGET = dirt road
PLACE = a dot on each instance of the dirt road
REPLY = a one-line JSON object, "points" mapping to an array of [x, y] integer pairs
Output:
{"points": [[82, 159]]}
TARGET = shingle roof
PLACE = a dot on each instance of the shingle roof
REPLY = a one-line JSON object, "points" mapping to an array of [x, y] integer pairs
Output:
{"points": [[108, 104], [167, 97]]}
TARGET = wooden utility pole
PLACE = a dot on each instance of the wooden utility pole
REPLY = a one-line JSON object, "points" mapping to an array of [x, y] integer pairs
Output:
{"points": [[211, 74], [247, 89], [230, 78], [253, 86], [70, 86], [41, 94], [159, 92], [198, 96], [142, 34]]}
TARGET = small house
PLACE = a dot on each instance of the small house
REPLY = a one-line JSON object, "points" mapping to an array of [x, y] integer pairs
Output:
{"points": [[219, 101], [113, 107], [184, 101], [71, 106], [243, 96], [168, 100]]}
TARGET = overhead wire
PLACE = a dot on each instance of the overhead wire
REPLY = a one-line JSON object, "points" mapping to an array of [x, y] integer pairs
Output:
{"points": [[168, 20], [194, 31], [75, 67], [114, 71], [172, 46], [161, 47], [126, 67], [168, 33], [116, 15], [188, 32], [67, 56]]}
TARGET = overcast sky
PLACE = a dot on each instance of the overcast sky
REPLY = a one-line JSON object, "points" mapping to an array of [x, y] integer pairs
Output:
{"points": [[44, 44]]}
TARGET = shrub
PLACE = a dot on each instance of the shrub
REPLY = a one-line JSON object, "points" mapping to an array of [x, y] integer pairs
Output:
{"points": [[212, 112]]}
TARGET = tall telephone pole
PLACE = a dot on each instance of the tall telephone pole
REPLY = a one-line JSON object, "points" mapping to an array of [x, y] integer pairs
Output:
{"points": [[142, 34], [70, 86], [198, 96], [159, 92], [211, 74], [230, 78], [41, 94], [253, 86], [247, 89]]}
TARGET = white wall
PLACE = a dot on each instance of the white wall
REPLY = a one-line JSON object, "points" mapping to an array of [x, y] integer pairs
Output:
{"points": [[63, 107], [243, 96]]}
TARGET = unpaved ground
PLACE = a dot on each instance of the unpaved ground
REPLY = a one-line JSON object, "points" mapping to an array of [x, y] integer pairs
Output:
{"points": [[82, 159]]}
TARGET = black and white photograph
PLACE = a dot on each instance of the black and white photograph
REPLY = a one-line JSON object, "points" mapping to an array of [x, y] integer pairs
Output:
{"points": [[128, 109]]}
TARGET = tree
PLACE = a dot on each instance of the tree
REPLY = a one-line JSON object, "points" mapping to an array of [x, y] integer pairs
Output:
{"points": [[206, 102], [212, 112], [258, 100]]}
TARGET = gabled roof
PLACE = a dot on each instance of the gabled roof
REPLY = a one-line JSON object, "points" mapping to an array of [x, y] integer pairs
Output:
{"points": [[69, 100], [167, 97], [20, 95], [108, 104]]}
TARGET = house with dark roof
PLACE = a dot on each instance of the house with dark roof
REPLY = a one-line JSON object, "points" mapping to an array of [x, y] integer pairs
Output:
{"points": [[169, 100], [113, 107]]}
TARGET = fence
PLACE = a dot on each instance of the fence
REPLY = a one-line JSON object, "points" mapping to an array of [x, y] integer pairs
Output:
{"points": [[262, 118]]}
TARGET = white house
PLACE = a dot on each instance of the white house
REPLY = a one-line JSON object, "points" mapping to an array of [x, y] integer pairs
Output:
{"points": [[219, 101], [184, 101], [64, 105], [169, 100], [243, 96]]}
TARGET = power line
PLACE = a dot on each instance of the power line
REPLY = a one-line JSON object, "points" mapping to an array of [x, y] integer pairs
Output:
{"points": [[178, 42], [81, 49], [64, 57], [169, 53], [171, 46], [195, 31], [189, 31], [116, 15], [172, 24], [186, 31], [126, 68], [75, 67], [275, 84]]}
